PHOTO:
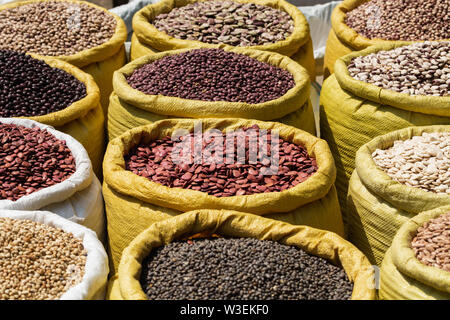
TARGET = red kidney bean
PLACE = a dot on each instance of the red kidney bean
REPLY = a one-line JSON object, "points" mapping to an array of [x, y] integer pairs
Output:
{"points": [[212, 75], [31, 159], [221, 179]]}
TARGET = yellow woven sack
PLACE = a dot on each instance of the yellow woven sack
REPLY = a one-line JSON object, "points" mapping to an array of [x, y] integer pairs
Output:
{"points": [[83, 119], [101, 61], [403, 276], [343, 40], [353, 112], [134, 202], [317, 242], [379, 205], [130, 108], [147, 39]]}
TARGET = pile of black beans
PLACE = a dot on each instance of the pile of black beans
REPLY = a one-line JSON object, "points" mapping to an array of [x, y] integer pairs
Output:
{"points": [[30, 87], [240, 268]]}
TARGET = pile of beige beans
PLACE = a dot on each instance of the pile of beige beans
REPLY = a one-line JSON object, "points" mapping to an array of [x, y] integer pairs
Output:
{"points": [[421, 162]]}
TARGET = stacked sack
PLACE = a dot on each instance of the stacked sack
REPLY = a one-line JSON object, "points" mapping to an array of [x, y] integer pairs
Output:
{"points": [[227, 28], [397, 176], [64, 29], [144, 90], [416, 266], [225, 224], [379, 90], [133, 202], [359, 24]]}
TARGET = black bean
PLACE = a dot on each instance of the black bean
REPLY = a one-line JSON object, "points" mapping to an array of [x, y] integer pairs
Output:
{"points": [[30, 87], [240, 268]]}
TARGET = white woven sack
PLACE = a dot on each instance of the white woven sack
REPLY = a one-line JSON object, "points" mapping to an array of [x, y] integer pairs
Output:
{"points": [[93, 284], [78, 198]]}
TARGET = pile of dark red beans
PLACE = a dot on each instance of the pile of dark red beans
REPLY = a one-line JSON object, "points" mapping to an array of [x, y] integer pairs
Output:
{"points": [[31, 159]]}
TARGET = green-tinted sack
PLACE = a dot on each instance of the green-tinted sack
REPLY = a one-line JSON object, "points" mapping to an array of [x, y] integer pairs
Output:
{"points": [[379, 205], [130, 108], [353, 112], [317, 242], [147, 39], [403, 276], [134, 202]]}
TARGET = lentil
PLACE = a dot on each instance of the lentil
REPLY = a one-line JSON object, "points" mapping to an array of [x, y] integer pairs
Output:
{"points": [[30, 87], [31, 159], [406, 20], [431, 245], [240, 268], [229, 22], [54, 28], [241, 176], [212, 75], [38, 261], [422, 162], [417, 69]]}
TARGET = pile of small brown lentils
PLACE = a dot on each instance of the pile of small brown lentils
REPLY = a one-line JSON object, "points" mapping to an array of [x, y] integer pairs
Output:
{"points": [[29, 87], [212, 75], [54, 28], [229, 22], [242, 269], [31, 159], [38, 261], [405, 20], [431, 244], [240, 176]]}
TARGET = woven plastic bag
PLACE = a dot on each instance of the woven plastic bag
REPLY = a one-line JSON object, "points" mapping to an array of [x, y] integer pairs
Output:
{"points": [[130, 108], [83, 119], [147, 39], [94, 282], [100, 61], [353, 112], [403, 276], [134, 202], [317, 242], [343, 40], [379, 205], [78, 198]]}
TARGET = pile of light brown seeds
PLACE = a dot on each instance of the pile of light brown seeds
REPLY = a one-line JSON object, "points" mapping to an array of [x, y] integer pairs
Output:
{"points": [[421, 162], [229, 22], [418, 69], [431, 245], [38, 261], [407, 20], [54, 28]]}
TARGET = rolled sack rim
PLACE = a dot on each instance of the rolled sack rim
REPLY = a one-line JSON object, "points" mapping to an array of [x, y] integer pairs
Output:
{"points": [[294, 99], [404, 258], [148, 34], [349, 36], [96, 54], [79, 180], [127, 183], [236, 224], [77, 109], [425, 104], [401, 196]]}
